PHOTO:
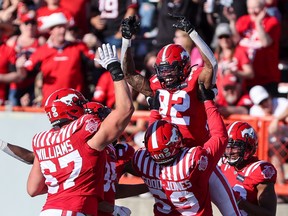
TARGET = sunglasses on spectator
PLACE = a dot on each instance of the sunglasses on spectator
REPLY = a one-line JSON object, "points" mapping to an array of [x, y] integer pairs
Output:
{"points": [[228, 87], [224, 36], [32, 22]]}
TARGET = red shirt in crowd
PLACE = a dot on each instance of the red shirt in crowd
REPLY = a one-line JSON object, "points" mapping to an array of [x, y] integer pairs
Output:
{"points": [[61, 67], [264, 59], [8, 58]]}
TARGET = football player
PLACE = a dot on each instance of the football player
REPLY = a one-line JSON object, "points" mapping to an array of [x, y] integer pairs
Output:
{"points": [[252, 179], [176, 175], [70, 159], [175, 89]]}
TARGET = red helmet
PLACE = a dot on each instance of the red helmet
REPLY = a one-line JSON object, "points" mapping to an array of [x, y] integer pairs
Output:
{"points": [[97, 109], [163, 141], [64, 105], [172, 66], [242, 142]]}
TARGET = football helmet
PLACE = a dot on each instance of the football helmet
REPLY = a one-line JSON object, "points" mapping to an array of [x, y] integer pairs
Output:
{"points": [[163, 141], [64, 105], [97, 109], [172, 66], [242, 143]]}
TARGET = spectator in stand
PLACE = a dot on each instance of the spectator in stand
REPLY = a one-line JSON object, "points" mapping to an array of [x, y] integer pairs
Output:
{"points": [[106, 19], [8, 72], [252, 179], [183, 39], [24, 44], [234, 99], [185, 8], [61, 62], [259, 35], [266, 105], [52, 6], [232, 59]]}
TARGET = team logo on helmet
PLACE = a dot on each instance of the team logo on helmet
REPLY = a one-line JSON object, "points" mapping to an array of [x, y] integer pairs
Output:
{"points": [[184, 55], [203, 163], [249, 131], [174, 137], [268, 172], [68, 100]]}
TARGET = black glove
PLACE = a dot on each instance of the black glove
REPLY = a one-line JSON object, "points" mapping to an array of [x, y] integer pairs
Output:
{"points": [[154, 102], [129, 27], [182, 23], [205, 94]]}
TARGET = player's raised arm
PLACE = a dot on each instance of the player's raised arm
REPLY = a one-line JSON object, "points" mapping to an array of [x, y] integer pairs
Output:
{"points": [[208, 74], [115, 123], [129, 27]]}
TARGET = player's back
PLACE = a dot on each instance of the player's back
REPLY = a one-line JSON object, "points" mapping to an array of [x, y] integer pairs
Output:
{"points": [[180, 188], [73, 171], [183, 108]]}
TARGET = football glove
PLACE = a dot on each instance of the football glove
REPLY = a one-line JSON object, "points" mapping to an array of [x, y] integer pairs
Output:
{"points": [[129, 27], [182, 23], [205, 94], [153, 102], [108, 59]]}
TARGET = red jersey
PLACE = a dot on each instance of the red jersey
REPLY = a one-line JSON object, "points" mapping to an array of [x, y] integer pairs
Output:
{"points": [[61, 67], [117, 157], [183, 108], [245, 181], [265, 59], [74, 172], [104, 90], [8, 57], [181, 188]]}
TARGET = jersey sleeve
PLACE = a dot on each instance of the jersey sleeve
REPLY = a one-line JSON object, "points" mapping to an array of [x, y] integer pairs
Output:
{"points": [[218, 140], [90, 124], [264, 173]]}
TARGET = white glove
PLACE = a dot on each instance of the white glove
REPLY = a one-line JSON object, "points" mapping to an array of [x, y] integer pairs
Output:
{"points": [[3, 145], [121, 211], [107, 55]]}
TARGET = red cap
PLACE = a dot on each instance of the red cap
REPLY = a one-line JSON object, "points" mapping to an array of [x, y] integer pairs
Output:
{"points": [[230, 80], [27, 17]]}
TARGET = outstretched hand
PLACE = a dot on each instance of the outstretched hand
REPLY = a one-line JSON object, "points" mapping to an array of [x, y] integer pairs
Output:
{"points": [[182, 23], [154, 102], [108, 59], [107, 55], [205, 94], [129, 27]]}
